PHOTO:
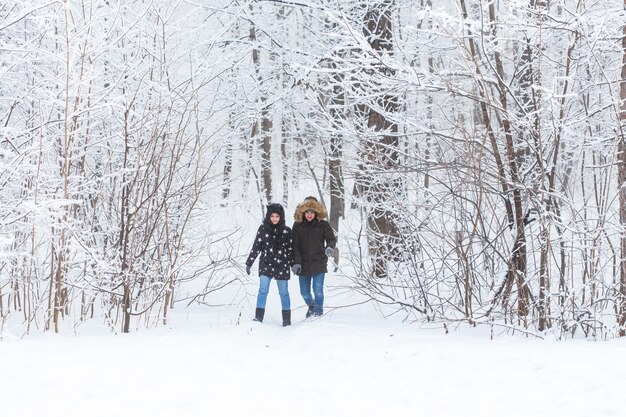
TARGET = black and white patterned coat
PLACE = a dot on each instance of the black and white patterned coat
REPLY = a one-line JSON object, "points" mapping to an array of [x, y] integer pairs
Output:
{"points": [[274, 243]]}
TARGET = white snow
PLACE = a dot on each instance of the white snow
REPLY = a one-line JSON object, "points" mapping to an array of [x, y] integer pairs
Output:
{"points": [[350, 362]]}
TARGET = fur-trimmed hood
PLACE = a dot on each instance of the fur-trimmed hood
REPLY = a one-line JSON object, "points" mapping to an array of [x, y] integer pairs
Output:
{"points": [[320, 211]]}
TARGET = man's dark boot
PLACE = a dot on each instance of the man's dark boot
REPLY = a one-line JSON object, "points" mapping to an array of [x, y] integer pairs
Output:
{"points": [[286, 318], [309, 312], [258, 314]]}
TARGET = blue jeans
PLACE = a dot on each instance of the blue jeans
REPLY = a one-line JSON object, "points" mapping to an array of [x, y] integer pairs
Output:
{"points": [[264, 288], [318, 292]]}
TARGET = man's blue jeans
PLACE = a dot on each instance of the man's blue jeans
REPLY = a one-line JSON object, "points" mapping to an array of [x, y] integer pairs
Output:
{"points": [[317, 299], [264, 288]]}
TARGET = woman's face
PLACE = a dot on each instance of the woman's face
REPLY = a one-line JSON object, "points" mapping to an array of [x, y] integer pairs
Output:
{"points": [[309, 215], [274, 218]]}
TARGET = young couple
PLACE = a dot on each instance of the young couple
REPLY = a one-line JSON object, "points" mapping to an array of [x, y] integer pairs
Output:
{"points": [[305, 250]]}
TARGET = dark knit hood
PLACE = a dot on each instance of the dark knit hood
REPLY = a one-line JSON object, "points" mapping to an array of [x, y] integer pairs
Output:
{"points": [[313, 204], [278, 209]]}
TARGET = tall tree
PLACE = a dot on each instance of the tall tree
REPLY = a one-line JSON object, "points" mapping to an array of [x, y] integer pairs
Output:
{"points": [[621, 154], [266, 123], [381, 143]]}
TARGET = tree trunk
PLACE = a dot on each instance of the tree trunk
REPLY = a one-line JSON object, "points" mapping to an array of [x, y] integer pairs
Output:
{"points": [[381, 145], [228, 166], [266, 152], [266, 123], [337, 192], [621, 152], [59, 274], [517, 267], [484, 112], [285, 157], [529, 111], [124, 231]]}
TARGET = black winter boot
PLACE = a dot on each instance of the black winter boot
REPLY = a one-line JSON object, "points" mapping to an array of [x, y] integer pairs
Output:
{"points": [[309, 312], [286, 318], [258, 314]]}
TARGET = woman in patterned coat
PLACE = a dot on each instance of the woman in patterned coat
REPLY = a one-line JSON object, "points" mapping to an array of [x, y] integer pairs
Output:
{"points": [[274, 242]]}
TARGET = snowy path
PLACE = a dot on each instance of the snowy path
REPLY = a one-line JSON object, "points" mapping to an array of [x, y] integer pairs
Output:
{"points": [[336, 366]]}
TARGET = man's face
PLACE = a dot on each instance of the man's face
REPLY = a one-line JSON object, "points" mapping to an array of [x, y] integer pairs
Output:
{"points": [[309, 215]]}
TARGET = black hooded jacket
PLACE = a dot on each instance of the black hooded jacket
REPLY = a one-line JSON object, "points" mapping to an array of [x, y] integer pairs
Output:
{"points": [[274, 243], [310, 239]]}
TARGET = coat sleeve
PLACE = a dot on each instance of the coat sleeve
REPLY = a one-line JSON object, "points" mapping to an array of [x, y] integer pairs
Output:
{"points": [[329, 236], [257, 246], [297, 254], [289, 247]]}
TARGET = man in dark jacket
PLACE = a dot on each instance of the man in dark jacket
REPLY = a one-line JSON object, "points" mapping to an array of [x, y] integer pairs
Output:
{"points": [[274, 242], [313, 242]]}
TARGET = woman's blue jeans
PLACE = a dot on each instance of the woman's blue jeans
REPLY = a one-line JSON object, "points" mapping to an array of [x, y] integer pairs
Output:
{"points": [[264, 289], [317, 299]]}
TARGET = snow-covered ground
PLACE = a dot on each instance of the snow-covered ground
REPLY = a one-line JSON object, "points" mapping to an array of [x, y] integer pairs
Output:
{"points": [[350, 362]]}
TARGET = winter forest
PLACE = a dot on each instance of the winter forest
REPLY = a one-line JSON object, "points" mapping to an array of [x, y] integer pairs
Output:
{"points": [[471, 155]]}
